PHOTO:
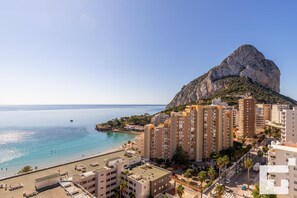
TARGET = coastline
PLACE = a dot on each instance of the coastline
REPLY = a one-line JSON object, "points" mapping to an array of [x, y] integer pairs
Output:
{"points": [[121, 131], [73, 160]]}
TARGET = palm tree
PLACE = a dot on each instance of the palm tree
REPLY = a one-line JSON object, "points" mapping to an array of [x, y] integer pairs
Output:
{"points": [[201, 179], [212, 173], [254, 144], [237, 155], [180, 190], [226, 162], [220, 164], [123, 185], [248, 163], [265, 149], [219, 190], [260, 154]]}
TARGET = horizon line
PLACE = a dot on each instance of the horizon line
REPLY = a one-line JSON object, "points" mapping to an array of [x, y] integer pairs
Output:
{"points": [[140, 104]]}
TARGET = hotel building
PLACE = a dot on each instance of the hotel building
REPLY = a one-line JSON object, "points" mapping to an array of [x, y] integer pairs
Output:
{"points": [[199, 130], [247, 116]]}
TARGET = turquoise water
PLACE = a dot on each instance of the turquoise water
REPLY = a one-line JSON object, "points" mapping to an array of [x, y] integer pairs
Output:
{"points": [[43, 135]]}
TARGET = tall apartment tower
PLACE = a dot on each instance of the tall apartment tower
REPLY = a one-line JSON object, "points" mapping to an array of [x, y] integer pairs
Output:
{"points": [[276, 112], [263, 113], [289, 125], [247, 116], [199, 130]]}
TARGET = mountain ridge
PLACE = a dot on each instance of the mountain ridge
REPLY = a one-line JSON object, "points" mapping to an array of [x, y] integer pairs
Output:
{"points": [[245, 62]]}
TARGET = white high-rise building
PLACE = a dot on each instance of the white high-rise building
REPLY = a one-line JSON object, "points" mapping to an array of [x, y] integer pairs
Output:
{"points": [[276, 112], [289, 125]]}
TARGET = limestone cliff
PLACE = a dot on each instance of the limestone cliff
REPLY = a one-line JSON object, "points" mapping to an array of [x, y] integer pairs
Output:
{"points": [[244, 62]]}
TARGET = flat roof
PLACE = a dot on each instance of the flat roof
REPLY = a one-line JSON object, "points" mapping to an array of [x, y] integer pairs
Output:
{"points": [[285, 147], [28, 180], [55, 175], [148, 172]]}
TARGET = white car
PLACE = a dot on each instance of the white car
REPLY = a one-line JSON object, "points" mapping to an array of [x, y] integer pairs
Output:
{"points": [[227, 181]]}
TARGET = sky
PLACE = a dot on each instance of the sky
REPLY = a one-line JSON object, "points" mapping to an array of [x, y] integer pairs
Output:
{"points": [[133, 51]]}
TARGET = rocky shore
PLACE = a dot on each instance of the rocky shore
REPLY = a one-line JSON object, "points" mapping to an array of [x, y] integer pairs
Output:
{"points": [[107, 128]]}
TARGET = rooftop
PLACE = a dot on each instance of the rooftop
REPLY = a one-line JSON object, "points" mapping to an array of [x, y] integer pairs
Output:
{"points": [[147, 173], [284, 146], [28, 180]]}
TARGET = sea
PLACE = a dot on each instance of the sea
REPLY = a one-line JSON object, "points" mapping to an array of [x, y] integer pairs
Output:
{"points": [[43, 135]]}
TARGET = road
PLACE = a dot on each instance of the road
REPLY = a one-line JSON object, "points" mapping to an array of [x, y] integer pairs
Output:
{"points": [[239, 179]]}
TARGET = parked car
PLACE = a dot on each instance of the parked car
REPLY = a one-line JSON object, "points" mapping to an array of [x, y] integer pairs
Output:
{"points": [[228, 190], [227, 181], [243, 187]]}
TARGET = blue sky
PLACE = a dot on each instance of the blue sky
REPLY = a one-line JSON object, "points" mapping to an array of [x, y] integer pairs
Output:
{"points": [[133, 52]]}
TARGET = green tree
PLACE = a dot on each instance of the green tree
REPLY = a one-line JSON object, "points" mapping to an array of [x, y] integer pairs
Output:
{"points": [[226, 161], [219, 190], [201, 179], [254, 144], [220, 164], [123, 185], [260, 154], [265, 149], [26, 169], [180, 190], [256, 193], [237, 154], [188, 175], [212, 173], [180, 156], [248, 163]]}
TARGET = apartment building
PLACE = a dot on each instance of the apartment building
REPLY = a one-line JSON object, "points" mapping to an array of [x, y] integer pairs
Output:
{"points": [[146, 180], [139, 144], [99, 176], [279, 154], [199, 130], [103, 181], [276, 112], [263, 114], [142, 180], [289, 125], [159, 118], [247, 116]]}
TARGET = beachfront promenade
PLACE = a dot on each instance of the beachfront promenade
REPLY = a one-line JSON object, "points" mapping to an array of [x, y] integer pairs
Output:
{"points": [[28, 180]]}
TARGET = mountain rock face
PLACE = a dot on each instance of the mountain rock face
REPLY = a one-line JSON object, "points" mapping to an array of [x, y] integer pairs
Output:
{"points": [[246, 62]]}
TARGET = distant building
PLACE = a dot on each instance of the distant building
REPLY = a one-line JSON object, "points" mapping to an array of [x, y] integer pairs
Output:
{"points": [[263, 113], [235, 114], [218, 101], [276, 112], [130, 127], [159, 118], [199, 130], [247, 116], [289, 125]]}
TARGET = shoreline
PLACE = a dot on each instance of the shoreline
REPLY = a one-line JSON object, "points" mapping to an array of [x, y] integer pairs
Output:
{"points": [[121, 131], [119, 148]]}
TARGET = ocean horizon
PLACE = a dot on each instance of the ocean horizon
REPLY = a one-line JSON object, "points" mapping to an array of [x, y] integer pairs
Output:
{"points": [[42, 135]]}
